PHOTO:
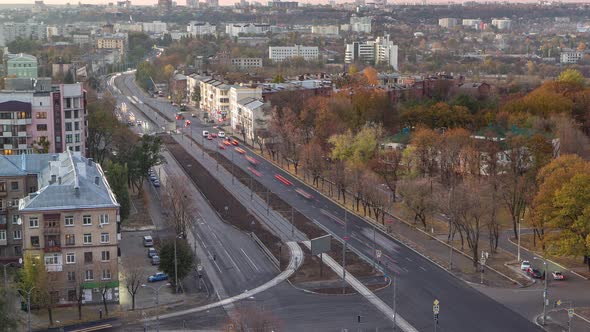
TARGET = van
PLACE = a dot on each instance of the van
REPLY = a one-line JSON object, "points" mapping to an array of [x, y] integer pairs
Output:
{"points": [[221, 134], [156, 260], [205, 133], [148, 241]]}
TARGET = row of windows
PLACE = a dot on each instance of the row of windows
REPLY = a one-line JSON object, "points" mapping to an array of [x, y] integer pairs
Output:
{"points": [[16, 235], [69, 220], [13, 186], [89, 275], [105, 256], [69, 126], [15, 65], [70, 239], [8, 203]]}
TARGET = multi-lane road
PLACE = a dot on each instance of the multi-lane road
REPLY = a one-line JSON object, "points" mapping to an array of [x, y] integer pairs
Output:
{"points": [[420, 282]]}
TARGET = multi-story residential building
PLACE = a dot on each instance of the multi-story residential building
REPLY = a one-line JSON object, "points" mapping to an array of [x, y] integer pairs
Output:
{"points": [[502, 24], [110, 42], [246, 63], [214, 99], [253, 41], [128, 27], [361, 24], [569, 56], [200, 29], [237, 29], [72, 223], [281, 53], [380, 51], [447, 22], [238, 94], [22, 65], [56, 114], [10, 31], [283, 4], [248, 116], [472, 23], [155, 27], [325, 30], [81, 39]]}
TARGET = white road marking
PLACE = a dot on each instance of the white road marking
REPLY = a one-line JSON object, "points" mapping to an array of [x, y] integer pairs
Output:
{"points": [[231, 259], [423, 269], [249, 259], [409, 259], [217, 265]]}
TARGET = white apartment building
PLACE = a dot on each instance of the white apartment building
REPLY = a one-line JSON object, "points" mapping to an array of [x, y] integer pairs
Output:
{"points": [[128, 27], [238, 94], [570, 56], [248, 117], [215, 99], [10, 31], [380, 51], [502, 24], [325, 30], [361, 24], [200, 29], [447, 22], [246, 63], [471, 23], [155, 27], [237, 29], [281, 53], [81, 39]]}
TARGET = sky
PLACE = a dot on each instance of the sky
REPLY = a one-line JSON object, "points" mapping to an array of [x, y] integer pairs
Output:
{"points": [[181, 2]]}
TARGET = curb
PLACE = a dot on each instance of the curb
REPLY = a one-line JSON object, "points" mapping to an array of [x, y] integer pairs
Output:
{"points": [[552, 262]]}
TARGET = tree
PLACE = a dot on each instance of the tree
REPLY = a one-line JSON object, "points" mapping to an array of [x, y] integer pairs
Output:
{"points": [[42, 145], [251, 318], [117, 176], [388, 165], [417, 195], [69, 78], [103, 126], [372, 75], [104, 288], [133, 277], [313, 161], [34, 274], [8, 318], [196, 94], [184, 256], [177, 203], [424, 142], [143, 156], [572, 76]]}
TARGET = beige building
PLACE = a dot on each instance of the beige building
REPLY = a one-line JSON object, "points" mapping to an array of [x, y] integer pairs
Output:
{"points": [[71, 222], [111, 42], [215, 99]]}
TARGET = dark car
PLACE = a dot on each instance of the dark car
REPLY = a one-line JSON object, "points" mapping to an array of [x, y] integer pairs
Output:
{"points": [[536, 273]]}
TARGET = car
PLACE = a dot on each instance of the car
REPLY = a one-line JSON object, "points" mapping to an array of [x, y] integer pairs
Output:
{"points": [[151, 252], [187, 123], [153, 177], [240, 150], [148, 241], [158, 277], [221, 134], [234, 142], [226, 142], [194, 115], [557, 275], [525, 265], [155, 260], [205, 133], [221, 146], [179, 117], [209, 137], [535, 273], [214, 135], [156, 183]]}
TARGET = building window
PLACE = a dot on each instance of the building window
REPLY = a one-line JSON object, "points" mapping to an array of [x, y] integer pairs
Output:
{"points": [[17, 250], [41, 127], [87, 238], [52, 259], [69, 221], [72, 295], [106, 274], [104, 238], [87, 220], [89, 275], [68, 114], [70, 240], [15, 218], [76, 138], [2, 235], [76, 125], [105, 256], [71, 276], [58, 139], [34, 222], [88, 257], [68, 126], [18, 235], [104, 219], [14, 185], [70, 258], [34, 241], [3, 219], [76, 114], [2, 185], [68, 138]]}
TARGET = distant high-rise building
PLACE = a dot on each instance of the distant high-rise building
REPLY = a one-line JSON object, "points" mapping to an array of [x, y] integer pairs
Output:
{"points": [[380, 51], [213, 3], [447, 22], [361, 24], [502, 24]]}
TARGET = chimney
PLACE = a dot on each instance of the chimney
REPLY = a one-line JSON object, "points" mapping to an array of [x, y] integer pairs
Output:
{"points": [[96, 180], [59, 180], [77, 191], [89, 161], [54, 157], [53, 177]]}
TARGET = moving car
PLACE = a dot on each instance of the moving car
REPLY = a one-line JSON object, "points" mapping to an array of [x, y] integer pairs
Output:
{"points": [[234, 142], [240, 150], [158, 277], [179, 117], [152, 252], [156, 183], [205, 133], [214, 135], [557, 275], [148, 241], [221, 134], [525, 265], [225, 142], [221, 146], [187, 123], [209, 137], [156, 260], [535, 273]]}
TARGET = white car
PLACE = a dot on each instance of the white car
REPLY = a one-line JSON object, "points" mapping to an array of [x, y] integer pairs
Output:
{"points": [[525, 265], [221, 134]]}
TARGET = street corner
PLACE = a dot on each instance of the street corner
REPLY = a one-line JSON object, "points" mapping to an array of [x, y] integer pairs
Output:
{"points": [[566, 319]]}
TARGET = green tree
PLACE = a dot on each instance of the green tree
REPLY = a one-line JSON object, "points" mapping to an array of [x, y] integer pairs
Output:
{"points": [[34, 274], [146, 71], [196, 94], [69, 78], [117, 176], [356, 149], [102, 129], [278, 79], [144, 155], [8, 318], [42, 145], [184, 256], [572, 76]]}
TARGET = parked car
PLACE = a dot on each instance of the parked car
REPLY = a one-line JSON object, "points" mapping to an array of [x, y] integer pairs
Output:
{"points": [[205, 133], [557, 275], [525, 265], [535, 273], [156, 183], [214, 135], [156, 260], [152, 252], [148, 241], [179, 117], [158, 277], [209, 137]]}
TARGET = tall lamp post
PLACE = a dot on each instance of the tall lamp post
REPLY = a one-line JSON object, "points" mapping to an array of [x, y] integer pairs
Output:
{"points": [[545, 289], [157, 292], [518, 240], [28, 299], [5, 277], [178, 236]]}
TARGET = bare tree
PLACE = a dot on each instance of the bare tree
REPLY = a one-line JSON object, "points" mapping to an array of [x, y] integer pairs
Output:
{"points": [[104, 289], [388, 165], [253, 318], [175, 200], [134, 276], [417, 195]]}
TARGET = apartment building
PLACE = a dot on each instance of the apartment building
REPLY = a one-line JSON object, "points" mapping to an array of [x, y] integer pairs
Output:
{"points": [[447, 22], [502, 24], [200, 29], [155, 27], [56, 114], [248, 116], [282, 53], [472, 23], [21, 65], [10, 31], [116, 42], [380, 51], [72, 223], [361, 24], [570, 56], [215, 99], [246, 63], [325, 30], [237, 29], [237, 95]]}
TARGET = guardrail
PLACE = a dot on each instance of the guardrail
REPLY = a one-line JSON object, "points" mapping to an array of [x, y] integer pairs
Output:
{"points": [[269, 254]]}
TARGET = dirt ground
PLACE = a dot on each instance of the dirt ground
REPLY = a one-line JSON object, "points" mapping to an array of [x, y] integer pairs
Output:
{"points": [[138, 216]]}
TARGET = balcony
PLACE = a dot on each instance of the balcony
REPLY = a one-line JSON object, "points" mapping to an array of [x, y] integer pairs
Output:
{"points": [[22, 134], [55, 247], [54, 268], [51, 231], [24, 121]]}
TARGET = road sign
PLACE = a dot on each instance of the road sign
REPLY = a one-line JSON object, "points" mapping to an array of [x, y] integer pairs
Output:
{"points": [[436, 302], [199, 267], [321, 244], [570, 312], [379, 253], [558, 302], [436, 309]]}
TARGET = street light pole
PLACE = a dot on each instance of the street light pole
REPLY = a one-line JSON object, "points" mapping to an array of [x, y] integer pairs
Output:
{"points": [[518, 255], [28, 305], [374, 249], [394, 302], [544, 290], [175, 267], [157, 292], [344, 239]]}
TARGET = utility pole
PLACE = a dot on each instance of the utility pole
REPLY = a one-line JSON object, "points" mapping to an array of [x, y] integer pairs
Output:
{"points": [[175, 267], [435, 310], [544, 290], [28, 293], [518, 255], [451, 251], [394, 302], [484, 256], [374, 249], [292, 222], [344, 239]]}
